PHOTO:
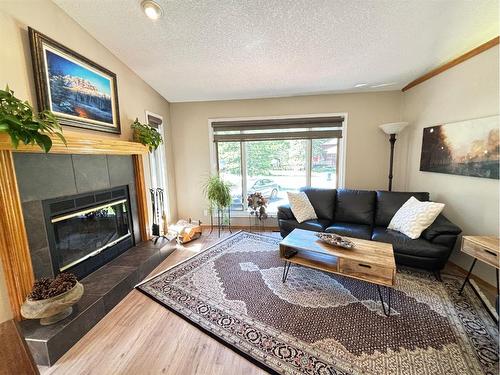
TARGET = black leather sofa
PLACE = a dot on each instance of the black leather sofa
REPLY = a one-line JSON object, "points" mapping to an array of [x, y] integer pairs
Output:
{"points": [[366, 214]]}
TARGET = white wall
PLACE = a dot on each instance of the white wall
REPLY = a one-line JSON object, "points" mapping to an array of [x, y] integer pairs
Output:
{"points": [[467, 91], [135, 96], [367, 147]]}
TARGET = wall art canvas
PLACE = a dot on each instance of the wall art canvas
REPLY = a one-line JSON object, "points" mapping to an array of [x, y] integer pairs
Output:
{"points": [[468, 148], [78, 91]]}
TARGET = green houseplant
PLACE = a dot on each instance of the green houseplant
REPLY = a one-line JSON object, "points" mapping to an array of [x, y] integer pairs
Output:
{"points": [[22, 124], [218, 192], [147, 135]]}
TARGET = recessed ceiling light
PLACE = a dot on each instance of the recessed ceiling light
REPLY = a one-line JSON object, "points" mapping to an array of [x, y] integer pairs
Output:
{"points": [[384, 84], [152, 9], [361, 85]]}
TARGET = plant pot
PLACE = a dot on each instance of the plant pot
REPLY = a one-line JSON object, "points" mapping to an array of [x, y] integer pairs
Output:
{"points": [[54, 309]]}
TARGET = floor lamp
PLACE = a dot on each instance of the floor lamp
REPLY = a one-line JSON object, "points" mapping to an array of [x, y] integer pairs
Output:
{"points": [[392, 129]]}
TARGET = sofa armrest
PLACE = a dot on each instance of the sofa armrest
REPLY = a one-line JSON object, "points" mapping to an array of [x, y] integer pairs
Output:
{"points": [[285, 212], [441, 227], [447, 240]]}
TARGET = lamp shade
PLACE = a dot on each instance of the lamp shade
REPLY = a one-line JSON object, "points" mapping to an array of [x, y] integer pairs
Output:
{"points": [[393, 127]]}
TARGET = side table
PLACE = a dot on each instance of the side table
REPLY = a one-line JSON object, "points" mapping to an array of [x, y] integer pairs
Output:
{"points": [[487, 250]]}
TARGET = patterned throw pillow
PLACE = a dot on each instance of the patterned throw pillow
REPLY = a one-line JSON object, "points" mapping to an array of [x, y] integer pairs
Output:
{"points": [[301, 207], [414, 217]]}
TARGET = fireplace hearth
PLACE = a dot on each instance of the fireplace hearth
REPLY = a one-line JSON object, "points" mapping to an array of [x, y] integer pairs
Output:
{"points": [[88, 230]]}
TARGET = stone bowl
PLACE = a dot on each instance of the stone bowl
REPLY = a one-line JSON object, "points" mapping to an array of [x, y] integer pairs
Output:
{"points": [[335, 240], [54, 309]]}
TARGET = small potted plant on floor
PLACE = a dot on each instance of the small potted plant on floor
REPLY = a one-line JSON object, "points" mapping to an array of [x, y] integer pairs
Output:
{"points": [[19, 121], [51, 300], [147, 135]]}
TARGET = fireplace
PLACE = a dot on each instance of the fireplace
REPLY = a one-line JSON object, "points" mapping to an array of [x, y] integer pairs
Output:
{"points": [[88, 230]]}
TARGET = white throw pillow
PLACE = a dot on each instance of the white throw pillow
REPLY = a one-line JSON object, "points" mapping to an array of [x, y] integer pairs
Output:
{"points": [[414, 217], [301, 207]]}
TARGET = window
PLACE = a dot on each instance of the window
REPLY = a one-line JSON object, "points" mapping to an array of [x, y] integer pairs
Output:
{"points": [[158, 171], [274, 157]]}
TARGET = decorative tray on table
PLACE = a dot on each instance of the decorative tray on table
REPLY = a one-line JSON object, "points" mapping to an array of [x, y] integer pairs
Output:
{"points": [[335, 240]]}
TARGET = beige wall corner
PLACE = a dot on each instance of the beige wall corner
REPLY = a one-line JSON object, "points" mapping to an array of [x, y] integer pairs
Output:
{"points": [[466, 91]]}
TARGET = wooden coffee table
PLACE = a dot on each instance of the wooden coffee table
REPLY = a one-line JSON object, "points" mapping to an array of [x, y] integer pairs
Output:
{"points": [[369, 261]]}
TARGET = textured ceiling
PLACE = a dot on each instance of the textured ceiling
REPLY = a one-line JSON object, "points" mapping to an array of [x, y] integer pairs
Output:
{"points": [[232, 49]]}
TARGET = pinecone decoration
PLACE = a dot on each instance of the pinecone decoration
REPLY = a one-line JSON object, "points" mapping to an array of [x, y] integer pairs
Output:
{"points": [[47, 287]]}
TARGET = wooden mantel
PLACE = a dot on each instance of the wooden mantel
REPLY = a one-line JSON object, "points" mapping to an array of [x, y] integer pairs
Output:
{"points": [[81, 143], [14, 250]]}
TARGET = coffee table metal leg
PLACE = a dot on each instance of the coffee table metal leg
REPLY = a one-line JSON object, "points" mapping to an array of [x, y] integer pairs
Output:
{"points": [[285, 270], [388, 311]]}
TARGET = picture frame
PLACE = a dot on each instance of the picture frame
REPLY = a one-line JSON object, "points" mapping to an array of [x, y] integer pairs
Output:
{"points": [[467, 148], [80, 92]]}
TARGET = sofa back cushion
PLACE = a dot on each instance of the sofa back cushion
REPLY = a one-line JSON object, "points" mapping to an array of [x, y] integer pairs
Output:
{"points": [[323, 201], [355, 206], [389, 202]]}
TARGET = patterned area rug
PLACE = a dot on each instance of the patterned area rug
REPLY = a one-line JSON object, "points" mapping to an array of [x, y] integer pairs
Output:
{"points": [[319, 323]]}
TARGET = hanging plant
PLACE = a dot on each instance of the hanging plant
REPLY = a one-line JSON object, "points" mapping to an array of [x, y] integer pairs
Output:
{"points": [[19, 121], [147, 135]]}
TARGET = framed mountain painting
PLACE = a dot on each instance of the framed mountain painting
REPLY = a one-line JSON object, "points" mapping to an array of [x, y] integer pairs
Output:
{"points": [[80, 92], [468, 148]]}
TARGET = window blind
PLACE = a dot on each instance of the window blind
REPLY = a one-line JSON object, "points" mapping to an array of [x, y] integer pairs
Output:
{"points": [[276, 129], [154, 121]]}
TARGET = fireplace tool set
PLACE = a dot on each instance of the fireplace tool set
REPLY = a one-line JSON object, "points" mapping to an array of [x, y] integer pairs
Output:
{"points": [[159, 227]]}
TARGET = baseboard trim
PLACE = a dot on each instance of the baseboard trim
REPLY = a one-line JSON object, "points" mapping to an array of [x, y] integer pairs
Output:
{"points": [[243, 227]]}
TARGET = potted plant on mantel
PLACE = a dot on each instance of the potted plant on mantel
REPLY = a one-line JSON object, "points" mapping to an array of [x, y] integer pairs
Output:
{"points": [[52, 300], [147, 135], [22, 124]]}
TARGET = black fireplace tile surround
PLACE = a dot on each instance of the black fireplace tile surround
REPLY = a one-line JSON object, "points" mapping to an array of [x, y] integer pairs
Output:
{"points": [[121, 170], [37, 238], [91, 172], [134, 211], [45, 176], [42, 177]]}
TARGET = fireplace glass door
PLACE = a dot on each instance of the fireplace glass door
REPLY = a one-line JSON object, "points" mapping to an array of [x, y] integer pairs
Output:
{"points": [[83, 234]]}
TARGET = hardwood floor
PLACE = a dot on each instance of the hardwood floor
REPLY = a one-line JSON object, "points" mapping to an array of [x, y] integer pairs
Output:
{"points": [[139, 336]]}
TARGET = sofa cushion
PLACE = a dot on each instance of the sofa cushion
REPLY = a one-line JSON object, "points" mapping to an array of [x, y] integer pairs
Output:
{"points": [[323, 201], [389, 202], [405, 245], [414, 217], [315, 225], [301, 206], [355, 206], [362, 231]]}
